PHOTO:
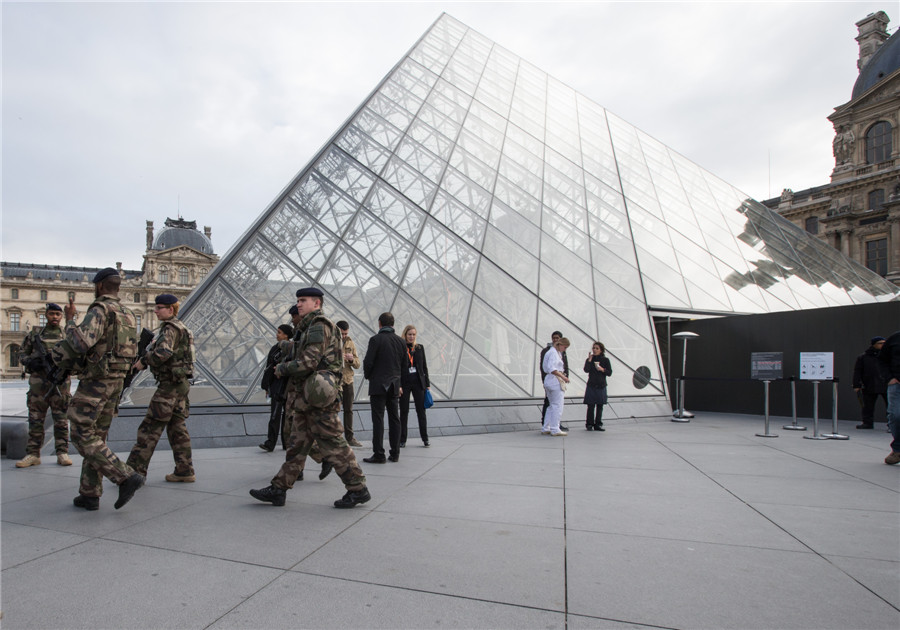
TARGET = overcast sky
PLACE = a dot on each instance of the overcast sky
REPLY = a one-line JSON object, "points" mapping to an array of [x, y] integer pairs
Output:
{"points": [[118, 113]]}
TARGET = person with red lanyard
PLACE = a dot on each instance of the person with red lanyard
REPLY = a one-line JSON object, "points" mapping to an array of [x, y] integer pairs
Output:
{"points": [[414, 380]]}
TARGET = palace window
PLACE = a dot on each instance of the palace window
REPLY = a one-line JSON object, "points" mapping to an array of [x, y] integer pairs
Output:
{"points": [[15, 321], [43, 295], [137, 298], [812, 225], [72, 295], [876, 199], [14, 356], [14, 294], [164, 275], [42, 319], [876, 256], [878, 142], [183, 275], [137, 319]]}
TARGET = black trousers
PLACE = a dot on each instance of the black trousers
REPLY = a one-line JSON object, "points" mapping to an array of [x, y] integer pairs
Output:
{"points": [[347, 404], [594, 416], [418, 395], [868, 406], [379, 403], [276, 423]]}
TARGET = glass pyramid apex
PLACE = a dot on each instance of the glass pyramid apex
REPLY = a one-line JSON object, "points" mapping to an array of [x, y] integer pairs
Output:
{"points": [[488, 204]]}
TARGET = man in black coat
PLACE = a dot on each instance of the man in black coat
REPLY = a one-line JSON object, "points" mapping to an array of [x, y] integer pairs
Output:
{"points": [[381, 367], [869, 382]]}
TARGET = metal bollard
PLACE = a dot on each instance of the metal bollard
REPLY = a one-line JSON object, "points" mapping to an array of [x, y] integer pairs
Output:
{"points": [[834, 435], [794, 426], [815, 435], [766, 434]]}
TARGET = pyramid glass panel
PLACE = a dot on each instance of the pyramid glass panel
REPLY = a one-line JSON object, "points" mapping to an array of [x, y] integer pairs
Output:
{"points": [[488, 204]]}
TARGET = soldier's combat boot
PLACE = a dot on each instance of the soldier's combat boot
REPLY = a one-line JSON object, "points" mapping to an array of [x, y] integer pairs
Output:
{"points": [[88, 503], [326, 470], [127, 489], [63, 459], [353, 498], [176, 478], [28, 460], [270, 494]]}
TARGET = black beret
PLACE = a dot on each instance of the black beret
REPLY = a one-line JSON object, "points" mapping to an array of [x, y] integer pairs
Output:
{"points": [[310, 292], [876, 340], [293, 310], [166, 299], [53, 307], [103, 274]]}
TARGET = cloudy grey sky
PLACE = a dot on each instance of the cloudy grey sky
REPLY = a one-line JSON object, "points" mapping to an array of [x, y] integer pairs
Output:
{"points": [[118, 113]]}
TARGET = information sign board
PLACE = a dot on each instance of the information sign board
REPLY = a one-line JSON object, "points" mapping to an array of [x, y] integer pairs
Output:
{"points": [[816, 366]]}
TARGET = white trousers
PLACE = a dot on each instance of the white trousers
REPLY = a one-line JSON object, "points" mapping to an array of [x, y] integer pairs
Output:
{"points": [[554, 411]]}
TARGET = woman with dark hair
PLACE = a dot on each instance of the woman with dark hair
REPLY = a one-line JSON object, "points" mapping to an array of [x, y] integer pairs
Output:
{"points": [[274, 388], [597, 367], [413, 380]]}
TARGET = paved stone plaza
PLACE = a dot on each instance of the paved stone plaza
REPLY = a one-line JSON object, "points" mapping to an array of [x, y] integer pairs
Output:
{"points": [[651, 524]]}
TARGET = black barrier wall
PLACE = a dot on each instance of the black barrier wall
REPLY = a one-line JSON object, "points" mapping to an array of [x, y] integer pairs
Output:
{"points": [[718, 361]]}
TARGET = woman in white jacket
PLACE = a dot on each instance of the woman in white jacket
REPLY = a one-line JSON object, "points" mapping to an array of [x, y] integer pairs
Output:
{"points": [[554, 383]]}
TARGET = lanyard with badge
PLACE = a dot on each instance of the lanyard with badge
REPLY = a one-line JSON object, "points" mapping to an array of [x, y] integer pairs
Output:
{"points": [[412, 368]]}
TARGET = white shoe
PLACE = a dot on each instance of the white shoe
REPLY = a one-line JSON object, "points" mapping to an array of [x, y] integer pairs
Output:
{"points": [[563, 433]]}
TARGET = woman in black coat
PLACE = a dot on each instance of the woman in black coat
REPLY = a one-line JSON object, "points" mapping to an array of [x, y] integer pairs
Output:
{"points": [[413, 380], [597, 367]]}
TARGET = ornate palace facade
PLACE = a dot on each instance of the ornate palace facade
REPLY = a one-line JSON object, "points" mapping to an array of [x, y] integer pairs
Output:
{"points": [[177, 259], [858, 213]]}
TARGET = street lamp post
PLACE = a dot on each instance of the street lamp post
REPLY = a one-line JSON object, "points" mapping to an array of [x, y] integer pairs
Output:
{"points": [[680, 414]]}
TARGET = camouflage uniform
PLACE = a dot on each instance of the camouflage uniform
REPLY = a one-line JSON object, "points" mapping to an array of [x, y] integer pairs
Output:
{"points": [[43, 395], [314, 367], [171, 360], [102, 349]]}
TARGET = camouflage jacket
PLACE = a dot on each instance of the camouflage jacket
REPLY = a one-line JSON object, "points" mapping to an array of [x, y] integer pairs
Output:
{"points": [[171, 355], [50, 336], [104, 345], [349, 366], [313, 360]]}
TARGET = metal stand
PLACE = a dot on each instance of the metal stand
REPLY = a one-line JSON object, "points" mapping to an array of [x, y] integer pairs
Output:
{"points": [[766, 434], [815, 435], [680, 414], [794, 426], [834, 435]]}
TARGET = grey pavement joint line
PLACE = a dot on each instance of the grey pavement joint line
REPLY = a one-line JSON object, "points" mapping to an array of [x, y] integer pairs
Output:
{"points": [[813, 551]]}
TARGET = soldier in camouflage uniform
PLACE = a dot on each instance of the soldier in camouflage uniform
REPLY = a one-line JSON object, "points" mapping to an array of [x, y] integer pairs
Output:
{"points": [[101, 350], [170, 358], [43, 395], [314, 367]]}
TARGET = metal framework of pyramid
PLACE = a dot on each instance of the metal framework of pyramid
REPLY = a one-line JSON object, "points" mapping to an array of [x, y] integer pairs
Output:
{"points": [[488, 204]]}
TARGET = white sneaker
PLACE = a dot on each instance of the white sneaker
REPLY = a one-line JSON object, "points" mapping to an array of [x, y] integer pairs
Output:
{"points": [[563, 433]]}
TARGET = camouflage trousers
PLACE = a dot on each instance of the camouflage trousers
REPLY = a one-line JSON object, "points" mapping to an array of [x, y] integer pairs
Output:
{"points": [[94, 405], [168, 409], [39, 402], [319, 434]]}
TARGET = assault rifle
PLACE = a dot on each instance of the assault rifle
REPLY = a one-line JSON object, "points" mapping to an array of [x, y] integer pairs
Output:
{"points": [[42, 362], [143, 344]]}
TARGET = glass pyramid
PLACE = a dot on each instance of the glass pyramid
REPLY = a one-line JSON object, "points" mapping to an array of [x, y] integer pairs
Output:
{"points": [[488, 204]]}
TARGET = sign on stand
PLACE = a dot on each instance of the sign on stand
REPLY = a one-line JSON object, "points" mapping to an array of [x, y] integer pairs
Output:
{"points": [[816, 366], [766, 366]]}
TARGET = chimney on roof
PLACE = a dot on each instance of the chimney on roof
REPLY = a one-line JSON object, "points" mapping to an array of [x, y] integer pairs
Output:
{"points": [[872, 34], [149, 234], [207, 232], [119, 268]]}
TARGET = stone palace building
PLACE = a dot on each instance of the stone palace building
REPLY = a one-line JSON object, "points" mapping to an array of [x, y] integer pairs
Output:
{"points": [[178, 257], [858, 212]]}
